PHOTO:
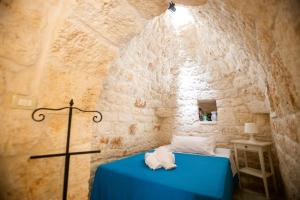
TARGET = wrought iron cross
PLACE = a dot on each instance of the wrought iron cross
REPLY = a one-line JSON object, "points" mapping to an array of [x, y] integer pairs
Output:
{"points": [[96, 118]]}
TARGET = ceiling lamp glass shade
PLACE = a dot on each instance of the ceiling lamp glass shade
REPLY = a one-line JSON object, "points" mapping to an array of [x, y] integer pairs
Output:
{"points": [[172, 6]]}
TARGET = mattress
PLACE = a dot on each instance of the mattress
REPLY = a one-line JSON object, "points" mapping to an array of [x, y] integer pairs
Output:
{"points": [[196, 177]]}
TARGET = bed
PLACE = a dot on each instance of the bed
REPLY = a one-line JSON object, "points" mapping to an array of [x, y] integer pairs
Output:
{"points": [[197, 177]]}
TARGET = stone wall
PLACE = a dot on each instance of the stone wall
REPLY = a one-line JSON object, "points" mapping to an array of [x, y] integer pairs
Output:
{"points": [[169, 67], [58, 50], [284, 92], [278, 46], [132, 91], [214, 63], [221, 57], [54, 51], [208, 69]]}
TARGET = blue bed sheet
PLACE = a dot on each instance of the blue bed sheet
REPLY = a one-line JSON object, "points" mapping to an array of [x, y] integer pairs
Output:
{"points": [[195, 178]]}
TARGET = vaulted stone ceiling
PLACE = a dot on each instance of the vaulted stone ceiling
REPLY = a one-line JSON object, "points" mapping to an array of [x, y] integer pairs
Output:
{"points": [[244, 35], [150, 9], [57, 50]]}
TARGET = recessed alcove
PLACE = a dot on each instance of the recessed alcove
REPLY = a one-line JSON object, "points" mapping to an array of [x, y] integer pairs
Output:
{"points": [[207, 111]]}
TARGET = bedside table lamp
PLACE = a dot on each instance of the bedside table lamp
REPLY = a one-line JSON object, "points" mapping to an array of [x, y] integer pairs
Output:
{"points": [[251, 128]]}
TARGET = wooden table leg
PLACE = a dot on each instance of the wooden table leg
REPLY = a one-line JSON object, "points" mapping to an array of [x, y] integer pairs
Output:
{"points": [[245, 157], [272, 169], [237, 165], [263, 169]]}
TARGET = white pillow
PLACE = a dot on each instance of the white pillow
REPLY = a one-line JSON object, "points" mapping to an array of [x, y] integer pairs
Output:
{"points": [[194, 144]]}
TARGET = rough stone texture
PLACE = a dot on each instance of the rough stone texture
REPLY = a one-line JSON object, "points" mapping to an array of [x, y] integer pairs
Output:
{"points": [[53, 53], [278, 45], [244, 54], [160, 91], [131, 93]]}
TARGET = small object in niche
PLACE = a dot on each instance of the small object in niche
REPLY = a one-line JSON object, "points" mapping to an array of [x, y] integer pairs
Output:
{"points": [[208, 116], [205, 117], [140, 103], [201, 114], [214, 116], [208, 106]]}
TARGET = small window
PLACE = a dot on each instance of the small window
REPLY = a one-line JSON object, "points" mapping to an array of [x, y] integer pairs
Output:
{"points": [[207, 110]]}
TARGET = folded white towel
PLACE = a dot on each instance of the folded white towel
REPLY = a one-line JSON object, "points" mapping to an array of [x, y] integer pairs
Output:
{"points": [[161, 157], [151, 161]]}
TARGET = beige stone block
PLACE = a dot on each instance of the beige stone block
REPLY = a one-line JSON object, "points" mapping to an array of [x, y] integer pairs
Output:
{"points": [[231, 130], [125, 117], [18, 82], [291, 128], [13, 172], [22, 27], [104, 128], [120, 128], [148, 112], [77, 48], [257, 106], [226, 116], [241, 117], [262, 119], [109, 116], [241, 109], [12, 145], [45, 178], [116, 21], [164, 112], [79, 176]]}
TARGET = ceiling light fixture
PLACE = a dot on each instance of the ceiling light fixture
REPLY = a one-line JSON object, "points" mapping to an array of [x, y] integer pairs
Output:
{"points": [[172, 6]]}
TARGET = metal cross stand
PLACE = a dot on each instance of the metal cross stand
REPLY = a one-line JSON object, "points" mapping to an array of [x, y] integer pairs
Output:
{"points": [[96, 118]]}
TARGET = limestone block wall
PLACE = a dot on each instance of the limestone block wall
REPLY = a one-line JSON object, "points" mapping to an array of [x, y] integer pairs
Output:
{"points": [[58, 50], [54, 51], [208, 69], [169, 67], [25, 37], [215, 63], [133, 91], [278, 43], [286, 124]]}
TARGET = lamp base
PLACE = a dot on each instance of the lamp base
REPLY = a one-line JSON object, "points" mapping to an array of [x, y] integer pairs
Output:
{"points": [[251, 138]]}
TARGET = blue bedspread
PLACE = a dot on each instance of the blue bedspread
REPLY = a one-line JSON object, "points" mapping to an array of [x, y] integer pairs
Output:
{"points": [[195, 178]]}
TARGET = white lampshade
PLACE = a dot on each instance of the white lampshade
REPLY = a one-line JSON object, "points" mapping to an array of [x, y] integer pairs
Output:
{"points": [[250, 128]]}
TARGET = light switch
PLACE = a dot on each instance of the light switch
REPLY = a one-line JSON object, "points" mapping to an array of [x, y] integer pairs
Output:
{"points": [[23, 102]]}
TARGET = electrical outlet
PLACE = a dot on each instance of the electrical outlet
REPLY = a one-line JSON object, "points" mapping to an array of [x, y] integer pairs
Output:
{"points": [[23, 102]]}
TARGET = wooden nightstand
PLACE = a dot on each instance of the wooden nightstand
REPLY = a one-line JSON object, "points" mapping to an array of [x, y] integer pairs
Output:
{"points": [[260, 148]]}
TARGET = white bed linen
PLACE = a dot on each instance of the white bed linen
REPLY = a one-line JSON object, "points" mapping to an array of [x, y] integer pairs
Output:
{"points": [[219, 152], [224, 152], [190, 144]]}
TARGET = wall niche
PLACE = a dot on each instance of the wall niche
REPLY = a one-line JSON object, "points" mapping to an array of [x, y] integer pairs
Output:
{"points": [[207, 111]]}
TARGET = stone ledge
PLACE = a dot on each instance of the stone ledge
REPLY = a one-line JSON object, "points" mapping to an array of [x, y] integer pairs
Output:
{"points": [[208, 122]]}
